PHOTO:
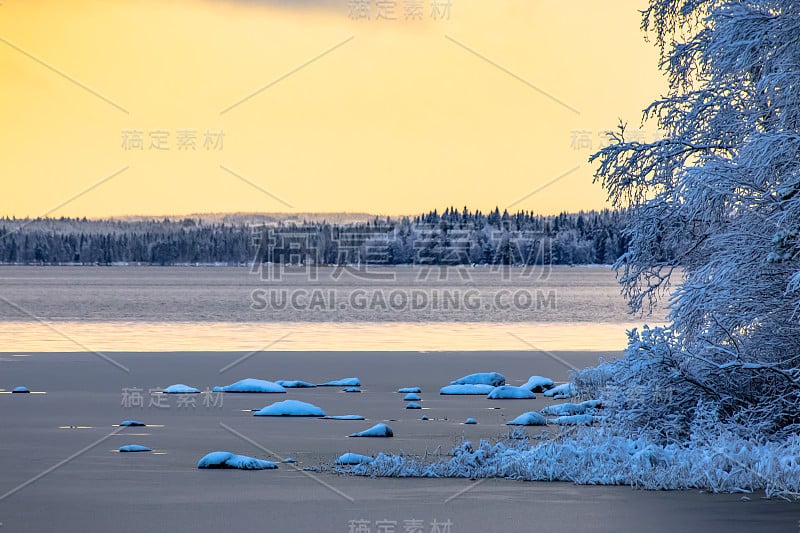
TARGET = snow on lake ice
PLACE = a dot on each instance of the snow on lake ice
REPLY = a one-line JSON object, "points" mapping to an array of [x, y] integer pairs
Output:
{"points": [[180, 388], [509, 392], [531, 418], [290, 408], [251, 385], [413, 405], [378, 430], [344, 417], [353, 459], [231, 460], [565, 409], [406, 390], [563, 391], [295, 384], [482, 378], [344, 382], [411, 397], [131, 423], [538, 384], [134, 448], [466, 389]]}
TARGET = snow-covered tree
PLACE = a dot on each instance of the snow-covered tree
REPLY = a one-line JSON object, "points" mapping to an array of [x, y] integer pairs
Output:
{"points": [[716, 205]]}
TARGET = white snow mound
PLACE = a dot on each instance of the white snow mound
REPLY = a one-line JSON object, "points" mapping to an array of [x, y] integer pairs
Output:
{"points": [[251, 385], [378, 430], [290, 408], [509, 392], [231, 460], [494, 379]]}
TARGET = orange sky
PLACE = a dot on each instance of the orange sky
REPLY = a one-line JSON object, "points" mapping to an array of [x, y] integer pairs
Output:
{"points": [[384, 116]]}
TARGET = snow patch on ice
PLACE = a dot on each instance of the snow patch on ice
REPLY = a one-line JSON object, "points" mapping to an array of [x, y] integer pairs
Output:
{"points": [[353, 459], [295, 384], [494, 379], [509, 392], [251, 385], [344, 382], [531, 418], [538, 384], [231, 460], [290, 408], [466, 389], [180, 388], [378, 430]]}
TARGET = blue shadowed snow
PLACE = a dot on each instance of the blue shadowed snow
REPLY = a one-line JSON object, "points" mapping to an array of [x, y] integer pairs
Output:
{"points": [[470, 421], [411, 397], [295, 384], [378, 430], [231, 460], [508, 392], [180, 388], [344, 417], [573, 420], [538, 384], [20, 390], [424, 417], [494, 379], [290, 408], [406, 390], [566, 409], [352, 389], [131, 423], [134, 448], [251, 385], [531, 418], [563, 391], [290, 460], [353, 459], [344, 382], [413, 405], [466, 389]]}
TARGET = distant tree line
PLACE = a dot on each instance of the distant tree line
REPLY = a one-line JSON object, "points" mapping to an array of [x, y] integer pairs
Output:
{"points": [[450, 237]]}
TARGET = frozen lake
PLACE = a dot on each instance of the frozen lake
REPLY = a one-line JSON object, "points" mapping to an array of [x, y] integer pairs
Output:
{"points": [[401, 308]]}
